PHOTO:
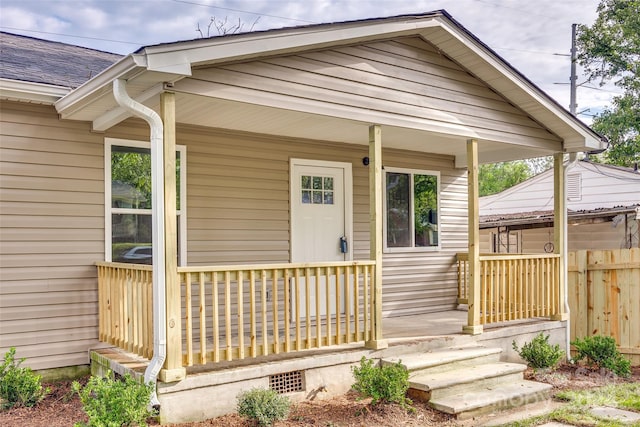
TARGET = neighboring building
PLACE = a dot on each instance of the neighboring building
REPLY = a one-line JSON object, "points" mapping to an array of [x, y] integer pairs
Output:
{"points": [[603, 203], [280, 137]]}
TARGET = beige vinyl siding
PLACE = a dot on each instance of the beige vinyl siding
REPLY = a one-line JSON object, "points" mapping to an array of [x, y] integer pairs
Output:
{"points": [[406, 79], [51, 233]]}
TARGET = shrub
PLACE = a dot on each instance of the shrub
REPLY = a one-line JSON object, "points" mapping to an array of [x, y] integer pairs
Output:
{"points": [[113, 402], [602, 352], [263, 406], [382, 383], [538, 353], [19, 386]]}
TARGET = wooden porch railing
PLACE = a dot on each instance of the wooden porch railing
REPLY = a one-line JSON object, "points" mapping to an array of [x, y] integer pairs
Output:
{"points": [[513, 287], [125, 313], [238, 312]]}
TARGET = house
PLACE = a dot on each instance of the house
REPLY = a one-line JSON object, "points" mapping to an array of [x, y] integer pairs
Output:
{"points": [[310, 185], [603, 203]]}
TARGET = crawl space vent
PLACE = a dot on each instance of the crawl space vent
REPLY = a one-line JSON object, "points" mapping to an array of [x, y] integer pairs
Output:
{"points": [[287, 382]]}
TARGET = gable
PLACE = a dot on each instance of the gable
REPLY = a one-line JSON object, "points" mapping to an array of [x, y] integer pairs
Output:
{"points": [[403, 83], [589, 186]]}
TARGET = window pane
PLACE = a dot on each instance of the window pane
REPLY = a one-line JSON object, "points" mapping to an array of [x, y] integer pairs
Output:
{"points": [[306, 196], [131, 238], [425, 198], [131, 177], [317, 197], [328, 197], [328, 183], [306, 182], [317, 183], [398, 227]]}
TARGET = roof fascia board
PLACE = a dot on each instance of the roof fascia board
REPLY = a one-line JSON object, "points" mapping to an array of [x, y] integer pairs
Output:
{"points": [[591, 139], [127, 67], [180, 59], [31, 92]]}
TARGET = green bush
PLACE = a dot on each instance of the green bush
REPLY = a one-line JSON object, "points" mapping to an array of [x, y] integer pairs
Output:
{"points": [[263, 406], [602, 352], [382, 383], [115, 402], [539, 354], [19, 386]]}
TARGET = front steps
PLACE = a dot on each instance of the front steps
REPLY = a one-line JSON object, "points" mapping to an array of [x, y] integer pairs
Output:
{"points": [[468, 381]]}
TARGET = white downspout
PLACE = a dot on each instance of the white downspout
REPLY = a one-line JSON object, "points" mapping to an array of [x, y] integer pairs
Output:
{"points": [[573, 158], [157, 204]]}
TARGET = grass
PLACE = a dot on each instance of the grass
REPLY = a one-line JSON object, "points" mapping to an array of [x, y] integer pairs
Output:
{"points": [[576, 411]]}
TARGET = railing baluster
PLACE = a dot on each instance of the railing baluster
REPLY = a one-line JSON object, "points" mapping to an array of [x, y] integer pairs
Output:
{"points": [[318, 314], [356, 301], [276, 327], [307, 279], [365, 300], [347, 305], [240, 286], [287, 312], [227, 314], [252, 313], [263, 306], [297, 307], [188, 318], [327, 284], [202, 305]]}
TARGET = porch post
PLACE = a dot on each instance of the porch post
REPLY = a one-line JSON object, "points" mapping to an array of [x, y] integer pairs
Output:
{"points": [[375, 231], [473, 326], [172, 369], [559, 230]]}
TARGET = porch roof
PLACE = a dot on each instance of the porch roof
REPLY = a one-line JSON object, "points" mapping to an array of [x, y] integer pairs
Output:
{"points": [[153, 69]]}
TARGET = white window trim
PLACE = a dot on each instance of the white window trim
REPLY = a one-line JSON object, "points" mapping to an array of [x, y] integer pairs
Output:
{"points": [[108, 210], [411, 248]]}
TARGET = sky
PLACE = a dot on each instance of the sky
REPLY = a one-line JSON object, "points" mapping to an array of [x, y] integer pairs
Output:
{"points": [[534, 36]]}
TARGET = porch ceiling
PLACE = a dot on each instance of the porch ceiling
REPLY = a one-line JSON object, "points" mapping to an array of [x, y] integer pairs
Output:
{"points": [[245, 117]]}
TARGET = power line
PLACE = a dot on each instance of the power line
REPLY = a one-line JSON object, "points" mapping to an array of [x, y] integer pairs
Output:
{"points": [[69, 35], [242, 11]]}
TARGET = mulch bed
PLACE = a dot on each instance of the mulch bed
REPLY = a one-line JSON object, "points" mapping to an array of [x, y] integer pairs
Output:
{"points": [[62, 407]]}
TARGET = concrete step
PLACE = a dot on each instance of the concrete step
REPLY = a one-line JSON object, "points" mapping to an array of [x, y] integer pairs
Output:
{"points": [[483, 400], [486, 399], [445, 359], [485, 375]]}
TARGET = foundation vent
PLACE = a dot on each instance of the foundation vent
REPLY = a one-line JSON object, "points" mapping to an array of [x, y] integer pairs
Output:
{"points": [[286, 382]]}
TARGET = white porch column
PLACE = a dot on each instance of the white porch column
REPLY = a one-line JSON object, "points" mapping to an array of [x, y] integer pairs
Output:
{"points": [[375, 231], [473, 326], [559, 230], [173, 369]]}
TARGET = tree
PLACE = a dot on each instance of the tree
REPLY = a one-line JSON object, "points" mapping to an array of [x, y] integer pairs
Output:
{"points": [[495, 177], [609, 51]]}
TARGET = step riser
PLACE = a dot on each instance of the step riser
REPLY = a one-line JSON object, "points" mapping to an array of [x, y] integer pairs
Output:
{"points": [[479, 385], [504, 405], [452, 366]]}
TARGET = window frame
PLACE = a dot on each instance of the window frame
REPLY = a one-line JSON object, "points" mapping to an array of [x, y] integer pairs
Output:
{"points": [[413, 247], [109, 210]]}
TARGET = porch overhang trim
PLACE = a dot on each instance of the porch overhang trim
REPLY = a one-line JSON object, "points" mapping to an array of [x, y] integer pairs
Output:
{"points": [[169, 58], [489, 67], [36, 93]]}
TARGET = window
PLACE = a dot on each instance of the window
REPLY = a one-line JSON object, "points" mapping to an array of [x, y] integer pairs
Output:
{"points": [[317, 189], [412, 199], [128, 201], [506, 241]]}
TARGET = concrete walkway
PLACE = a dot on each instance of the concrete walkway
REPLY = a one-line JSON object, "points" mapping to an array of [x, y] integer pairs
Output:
{"points": [[541, 408]]}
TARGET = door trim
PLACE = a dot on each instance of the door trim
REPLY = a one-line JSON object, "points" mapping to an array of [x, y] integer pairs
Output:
{"points": [[348, 199]]}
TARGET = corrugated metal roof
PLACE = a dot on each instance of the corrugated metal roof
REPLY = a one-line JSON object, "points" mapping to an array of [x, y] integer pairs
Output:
{"points": [[35, 60]]}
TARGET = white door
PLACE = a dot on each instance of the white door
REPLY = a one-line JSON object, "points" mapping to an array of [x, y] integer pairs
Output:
{"points": [[320, 218]]}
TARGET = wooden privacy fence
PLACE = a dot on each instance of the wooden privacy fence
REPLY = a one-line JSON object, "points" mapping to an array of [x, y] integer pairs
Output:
{"points": [[237, 312], [513, 287], [604, 297]]}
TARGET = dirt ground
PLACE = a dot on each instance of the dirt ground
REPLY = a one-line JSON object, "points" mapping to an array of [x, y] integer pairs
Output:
{"points": [[63, 408]]}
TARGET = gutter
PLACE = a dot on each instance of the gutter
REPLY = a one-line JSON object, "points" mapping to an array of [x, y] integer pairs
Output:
{"points": [[157, 181]]}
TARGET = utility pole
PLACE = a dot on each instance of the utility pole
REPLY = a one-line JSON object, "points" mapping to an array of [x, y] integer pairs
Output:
{"points": [[573, 106]]}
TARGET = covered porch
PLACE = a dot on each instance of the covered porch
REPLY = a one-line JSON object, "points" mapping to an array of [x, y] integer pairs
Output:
{"points": [[415, 96]]}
